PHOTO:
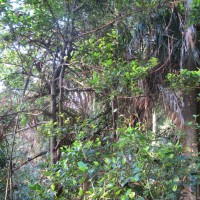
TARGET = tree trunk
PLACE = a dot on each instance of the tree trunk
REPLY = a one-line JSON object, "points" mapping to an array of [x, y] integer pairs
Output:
{"points": [[190, 143], [60, 105], [198, 138], [53, 118], [190, 109]]}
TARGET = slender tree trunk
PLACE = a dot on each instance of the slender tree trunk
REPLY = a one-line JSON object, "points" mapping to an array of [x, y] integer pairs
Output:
{"points": [[60, 104], [61, 92], [53, 118]]}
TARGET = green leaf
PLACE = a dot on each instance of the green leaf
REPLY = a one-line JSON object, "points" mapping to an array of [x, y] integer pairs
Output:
{"points": [[174, 188], [131, 195], [35, 186], [107, 160], [96, 163], [136, 177], [123, 197], [53, 187], [47, 173], [95, 79], [23, 121], [171, 156], [82, 166], [118, 192], [80, 193]]}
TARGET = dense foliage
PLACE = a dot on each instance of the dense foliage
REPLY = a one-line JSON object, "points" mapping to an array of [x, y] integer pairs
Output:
{"points": [[81, 82]]}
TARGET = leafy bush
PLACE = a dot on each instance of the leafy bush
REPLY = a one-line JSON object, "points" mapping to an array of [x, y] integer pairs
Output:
{"points": [[137, 166]]}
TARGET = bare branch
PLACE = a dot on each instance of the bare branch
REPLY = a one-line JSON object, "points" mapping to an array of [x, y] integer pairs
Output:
{"points": [[79, 89], [29, 160], [21, 111]]}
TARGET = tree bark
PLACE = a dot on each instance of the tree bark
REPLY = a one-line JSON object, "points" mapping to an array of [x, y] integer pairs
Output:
{"points": [[53, 118], [190, 109], [60, 105], [190, 141]]}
